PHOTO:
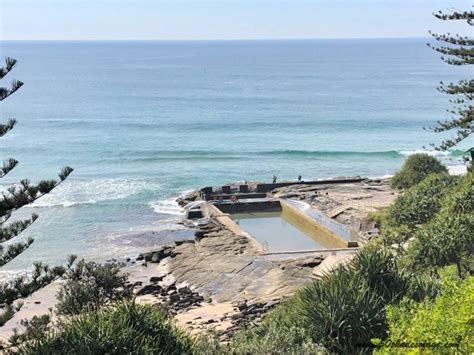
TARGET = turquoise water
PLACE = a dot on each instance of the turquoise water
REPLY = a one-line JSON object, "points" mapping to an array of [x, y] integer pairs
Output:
{"points": [[141, 122]]}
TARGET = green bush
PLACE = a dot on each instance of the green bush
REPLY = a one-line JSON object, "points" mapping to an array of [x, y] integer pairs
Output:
{"points": [[341, 312], [123, 328], [281, 332], [415, 169], [445, 324], [421, 202], [449, 238], [89, 285]]}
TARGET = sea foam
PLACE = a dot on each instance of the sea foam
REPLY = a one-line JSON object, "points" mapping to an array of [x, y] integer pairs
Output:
{"points": [[77, 192]]}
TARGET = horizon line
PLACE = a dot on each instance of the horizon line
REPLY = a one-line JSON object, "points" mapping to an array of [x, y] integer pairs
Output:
{"points": [[210, 39]]}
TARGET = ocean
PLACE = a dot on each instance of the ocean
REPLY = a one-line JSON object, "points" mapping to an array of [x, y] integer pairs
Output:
{"points": [[141, 122]]}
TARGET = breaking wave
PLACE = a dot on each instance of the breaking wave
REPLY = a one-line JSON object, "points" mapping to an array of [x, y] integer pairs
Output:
{"points": [[80, 192]]}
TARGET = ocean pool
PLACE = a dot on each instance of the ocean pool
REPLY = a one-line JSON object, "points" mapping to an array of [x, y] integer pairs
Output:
{"points": [[276, 232]]}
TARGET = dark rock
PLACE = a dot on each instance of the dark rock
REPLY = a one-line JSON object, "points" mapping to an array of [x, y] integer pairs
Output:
{"points": [[156, 278], [180, 242], [241, 306], [174, 297], [145, 290], [184, 290], [199, 234], [198, 298], [310, 264]]}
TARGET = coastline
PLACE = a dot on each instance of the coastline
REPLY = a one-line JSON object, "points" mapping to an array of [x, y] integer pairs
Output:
{"points": [[220, 280]]}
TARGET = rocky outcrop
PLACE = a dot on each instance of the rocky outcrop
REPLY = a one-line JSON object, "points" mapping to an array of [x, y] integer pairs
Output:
{"points": [[220, 267]]}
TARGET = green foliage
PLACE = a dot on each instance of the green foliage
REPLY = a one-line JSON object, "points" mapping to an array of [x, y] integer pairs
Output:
{"points": [[342, 311], [35, 331], [421, 202], [415, 169], [124, 328], [15, 228], [22, 286], [281, 332], [7, 313], [271, 339], [442, 324], [449, 238], [456, 50], [89, 285]]}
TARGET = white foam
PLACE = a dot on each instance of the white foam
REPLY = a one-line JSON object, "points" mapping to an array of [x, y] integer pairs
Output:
{"points": [[168, 206], [434, 153], [78, 192], [458, 169]]}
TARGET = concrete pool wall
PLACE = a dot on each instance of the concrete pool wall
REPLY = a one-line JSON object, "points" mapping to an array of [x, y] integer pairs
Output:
{"points": [[312, 227]]}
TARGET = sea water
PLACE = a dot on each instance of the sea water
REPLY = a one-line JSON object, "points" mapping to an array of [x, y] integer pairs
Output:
{"points": [[142, 122]]}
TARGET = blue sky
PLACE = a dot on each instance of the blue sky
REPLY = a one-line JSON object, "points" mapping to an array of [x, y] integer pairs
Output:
{"points": [[221, 19]]}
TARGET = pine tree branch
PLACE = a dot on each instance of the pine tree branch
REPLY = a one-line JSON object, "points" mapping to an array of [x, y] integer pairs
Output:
{"points": [[15, 228], [24, 194], [9, 65], [23, 286], [5, 92], [7, 127], [456, 15], [453, 39], [12, 251], [8, 165], [463, 87]]}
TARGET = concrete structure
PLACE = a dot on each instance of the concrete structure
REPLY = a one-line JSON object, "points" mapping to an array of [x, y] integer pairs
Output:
{"points": [[328, 232]]}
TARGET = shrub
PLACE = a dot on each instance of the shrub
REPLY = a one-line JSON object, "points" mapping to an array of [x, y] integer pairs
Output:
{"points": [[281, 332], [443, 324], [421, 202], [122, 328], [89, 285], [415, 169], [448, 238]]}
